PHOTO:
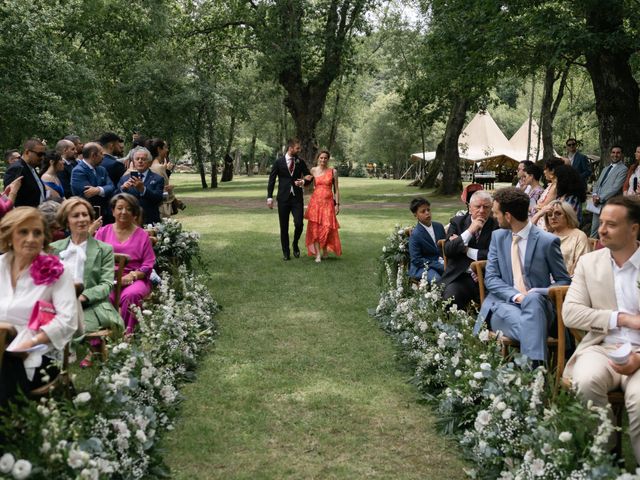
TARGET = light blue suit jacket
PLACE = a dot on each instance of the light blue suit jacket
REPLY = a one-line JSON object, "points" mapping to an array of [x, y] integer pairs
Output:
{"points": [[612, 186], [542, 261]]}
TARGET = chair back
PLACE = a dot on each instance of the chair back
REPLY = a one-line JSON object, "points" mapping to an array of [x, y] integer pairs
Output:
{"points": [[557, 296], [479, 267], [121, 261], [441, 247], [7, 334]]}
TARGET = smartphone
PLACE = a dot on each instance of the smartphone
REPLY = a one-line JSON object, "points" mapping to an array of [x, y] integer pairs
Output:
{"points": [[97, 211], [635, 184], [136, 174]]}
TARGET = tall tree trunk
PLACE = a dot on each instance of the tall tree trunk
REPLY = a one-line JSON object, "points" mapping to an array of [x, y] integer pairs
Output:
{"points": [[447, 154], [550, 106], [333, 132], [227, 172], [252, 153], [213, 159], [615, 89], [197, 141]]}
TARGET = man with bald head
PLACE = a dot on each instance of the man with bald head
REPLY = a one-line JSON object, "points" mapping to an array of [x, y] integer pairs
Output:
{"points": [[467, 241], [91, 181], [67, 150]]}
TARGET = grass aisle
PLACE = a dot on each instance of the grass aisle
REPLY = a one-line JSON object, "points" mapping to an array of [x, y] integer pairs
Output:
{"points": [[302, 383]]}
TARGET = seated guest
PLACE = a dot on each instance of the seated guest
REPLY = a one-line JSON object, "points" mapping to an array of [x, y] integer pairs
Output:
{"points": [[32, 193], [29, 276], [468, 240], [49, 211], [8, 197], [127, 238], [50, 167], [146, 186], [532, 175], [562, 221], [91, 263], [571, 189], [603, 300], [423, 243], [522, 258], [89, 180], [550, 193]]}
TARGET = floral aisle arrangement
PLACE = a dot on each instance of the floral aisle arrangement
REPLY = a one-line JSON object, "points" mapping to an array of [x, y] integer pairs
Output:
{"points": [[175, 247], [111, 429], [510, 420]]}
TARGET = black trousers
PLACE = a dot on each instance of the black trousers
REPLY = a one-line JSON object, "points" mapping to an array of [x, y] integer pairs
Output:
{"points": [[294, 206], [463, 290], [13, 377]]}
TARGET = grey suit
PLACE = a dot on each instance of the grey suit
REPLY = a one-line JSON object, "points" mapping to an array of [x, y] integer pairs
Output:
{"points": [[526, 322], [607, 188]]}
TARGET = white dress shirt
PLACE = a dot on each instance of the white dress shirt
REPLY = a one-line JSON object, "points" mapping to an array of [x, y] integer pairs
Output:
{"points": [[466, 237], [431, 232], [73, 259], [16, 307], [625, 283]]}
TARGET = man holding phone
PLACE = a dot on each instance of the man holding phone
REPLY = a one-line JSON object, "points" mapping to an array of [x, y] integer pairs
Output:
{"points": [[32, 192], [604, 300], [146, 186]]}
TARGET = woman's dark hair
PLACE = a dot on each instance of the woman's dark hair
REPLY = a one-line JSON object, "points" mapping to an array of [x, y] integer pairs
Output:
{"points": [[570, 183], [154, 145], [129, 200], [553, 163], [534, 170], [50, 157]]}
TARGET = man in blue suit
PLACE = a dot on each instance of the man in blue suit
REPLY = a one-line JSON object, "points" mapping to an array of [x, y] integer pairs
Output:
{"points": [[578, 160], [423, 243], [146, 186], [521, 262], [89, 180], [609, 184]]}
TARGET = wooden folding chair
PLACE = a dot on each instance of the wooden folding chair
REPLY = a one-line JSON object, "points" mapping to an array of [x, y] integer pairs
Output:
{"points": [[61, 382], [7, 334], [441, 248], [121, 261], [616, 397]]}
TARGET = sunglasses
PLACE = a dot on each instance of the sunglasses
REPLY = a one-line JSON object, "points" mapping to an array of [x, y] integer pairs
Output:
{"points": [[38, 154], [554, 214], [571, 144]]}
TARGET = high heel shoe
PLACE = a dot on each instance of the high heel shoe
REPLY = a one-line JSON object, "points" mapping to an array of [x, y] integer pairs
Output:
{"points": [[318, 259], [87, 362]]}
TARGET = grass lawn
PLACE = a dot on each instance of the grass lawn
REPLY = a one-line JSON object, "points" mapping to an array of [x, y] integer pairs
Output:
{"points": [[302, 383]]}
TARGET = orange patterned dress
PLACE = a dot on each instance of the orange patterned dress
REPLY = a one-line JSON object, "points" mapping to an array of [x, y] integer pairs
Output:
{"points": [[322, 224]]}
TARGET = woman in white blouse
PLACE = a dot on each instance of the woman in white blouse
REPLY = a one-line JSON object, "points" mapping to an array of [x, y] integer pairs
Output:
{"points": [[27, 276]]}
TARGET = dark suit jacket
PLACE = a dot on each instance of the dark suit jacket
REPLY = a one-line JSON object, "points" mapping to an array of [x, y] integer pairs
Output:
{"points": [[65, 177], [114, 168], [29, 194], [423, 250], [150, 199], [581, 163], [285, 179], [83, 176], [457, 260]]}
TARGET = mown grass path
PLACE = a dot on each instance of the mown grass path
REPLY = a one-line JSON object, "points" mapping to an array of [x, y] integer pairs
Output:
{"points": [[301, 382]]}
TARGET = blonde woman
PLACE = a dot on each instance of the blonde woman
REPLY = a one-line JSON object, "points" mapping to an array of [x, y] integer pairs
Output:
{"points": [[562, 221]]}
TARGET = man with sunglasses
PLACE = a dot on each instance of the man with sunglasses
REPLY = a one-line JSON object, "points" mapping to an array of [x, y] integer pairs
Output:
{"points": [[32, 192], [578, 160]]}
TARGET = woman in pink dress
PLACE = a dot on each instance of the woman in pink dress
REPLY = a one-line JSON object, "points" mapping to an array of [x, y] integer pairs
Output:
{"points": [[322, 224], [127, 238]]}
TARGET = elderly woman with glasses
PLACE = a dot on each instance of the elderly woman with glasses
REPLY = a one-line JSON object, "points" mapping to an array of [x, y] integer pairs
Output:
{"points": [[562, 221]]}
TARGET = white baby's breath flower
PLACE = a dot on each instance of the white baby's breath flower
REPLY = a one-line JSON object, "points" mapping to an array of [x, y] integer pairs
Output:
{"points": [[484, 336], [21, 469], [82, 397], [501, 406], [6, 463], [478, 375], [458, 373], [537, 467], [546, 449], [77, 458], [485, 366], [507, 414], [46, 446], [482, 420], [146, 312], [565, 437]]}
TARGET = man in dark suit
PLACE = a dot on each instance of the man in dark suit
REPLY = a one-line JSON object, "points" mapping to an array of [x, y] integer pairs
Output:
{"points": [[423, 243], [522, 260], [577, 160], [32, 192], [290, 171], [113, 146], [91, 181], [468, 240], [67, 150], [146, 186]]}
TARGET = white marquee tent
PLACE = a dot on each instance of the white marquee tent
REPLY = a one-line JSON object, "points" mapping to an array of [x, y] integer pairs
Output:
{"points": [[519, 143]]}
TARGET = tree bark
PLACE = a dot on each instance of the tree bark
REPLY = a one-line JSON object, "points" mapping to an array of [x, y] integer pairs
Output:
{"points": [[550, 106], [447, 158], [197, 141], [615, 89], [252, 153], [212, 149], [227, 172]]}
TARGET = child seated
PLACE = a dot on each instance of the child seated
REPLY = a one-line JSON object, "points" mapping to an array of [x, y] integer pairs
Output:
{"points": [[423, 243]]}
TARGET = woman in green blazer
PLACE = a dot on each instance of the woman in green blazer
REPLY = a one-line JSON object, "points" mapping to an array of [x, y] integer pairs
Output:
{"points": [[91, 263]]}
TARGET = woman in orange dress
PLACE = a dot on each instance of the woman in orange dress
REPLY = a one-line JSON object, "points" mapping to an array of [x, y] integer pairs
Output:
{"points": [[322, 224]]}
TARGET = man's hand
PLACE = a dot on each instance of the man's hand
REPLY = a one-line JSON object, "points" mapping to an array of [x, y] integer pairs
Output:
{"points": [[270, 203], [12, 189], [628, 368], [476, 225], [91, 191], [519, 298], [628, 320], [453, 237]]}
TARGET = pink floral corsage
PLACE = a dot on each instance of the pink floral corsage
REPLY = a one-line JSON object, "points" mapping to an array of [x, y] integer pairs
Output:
{"points": [[46, 269]]}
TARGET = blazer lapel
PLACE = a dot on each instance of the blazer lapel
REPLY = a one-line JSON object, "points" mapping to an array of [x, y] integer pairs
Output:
{"points": [[92, 253], [532, 240], [427, 236], [506, 246]]}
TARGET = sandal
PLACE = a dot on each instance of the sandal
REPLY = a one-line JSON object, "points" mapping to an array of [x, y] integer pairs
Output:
{"points": [[87, 362]]}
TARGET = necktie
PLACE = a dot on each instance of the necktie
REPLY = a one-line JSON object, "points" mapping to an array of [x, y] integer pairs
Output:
{"points": [[606, 174], [476, 235], [291, 165], [518, 278]]}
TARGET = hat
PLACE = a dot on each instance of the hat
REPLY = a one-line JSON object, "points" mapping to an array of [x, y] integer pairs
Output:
{"points": [[108, 138], [470, 190]]}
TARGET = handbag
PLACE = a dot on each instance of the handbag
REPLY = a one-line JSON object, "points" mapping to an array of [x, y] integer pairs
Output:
{"points": [[41, 315]]}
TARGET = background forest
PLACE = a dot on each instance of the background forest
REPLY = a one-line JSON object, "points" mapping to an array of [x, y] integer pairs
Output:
{"points": [[371, 80]]}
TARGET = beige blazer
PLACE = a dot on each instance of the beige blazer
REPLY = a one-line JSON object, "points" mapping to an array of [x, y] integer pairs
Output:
{"points": [[590, 300]]}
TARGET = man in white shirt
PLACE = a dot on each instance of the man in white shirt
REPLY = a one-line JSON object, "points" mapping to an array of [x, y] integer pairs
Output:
{"points": [[603, 300]]}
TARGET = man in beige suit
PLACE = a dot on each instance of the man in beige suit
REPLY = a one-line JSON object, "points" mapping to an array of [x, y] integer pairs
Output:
{"points": [[604, 300]]}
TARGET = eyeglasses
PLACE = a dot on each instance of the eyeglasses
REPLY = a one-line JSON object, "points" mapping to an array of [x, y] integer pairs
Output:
{"points": [[38, 154], [571, 144], [554, 214]]}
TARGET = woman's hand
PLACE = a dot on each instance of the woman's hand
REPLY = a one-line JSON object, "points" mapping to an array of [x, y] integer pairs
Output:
{"points": [[129, 278], [93, 228], [12, 189], [337, 209]]}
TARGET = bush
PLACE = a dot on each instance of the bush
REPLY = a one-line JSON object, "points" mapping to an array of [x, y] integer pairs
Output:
{"points": [[359, 171]]}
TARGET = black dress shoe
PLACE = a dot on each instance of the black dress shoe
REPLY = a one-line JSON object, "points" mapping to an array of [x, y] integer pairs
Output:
{"points": [[296, 252], [286, 256]]}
